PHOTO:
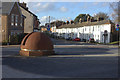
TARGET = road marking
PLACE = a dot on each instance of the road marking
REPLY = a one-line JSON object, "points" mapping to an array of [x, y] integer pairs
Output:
{"points": [[97, 46], [57, 56], [85, 46]]}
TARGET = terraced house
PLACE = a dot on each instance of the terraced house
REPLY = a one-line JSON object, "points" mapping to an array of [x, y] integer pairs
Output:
{"points": [[12, 20], [101, 31]]}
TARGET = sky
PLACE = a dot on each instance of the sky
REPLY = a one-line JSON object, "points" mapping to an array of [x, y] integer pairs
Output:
{"points": [[66, 10]]}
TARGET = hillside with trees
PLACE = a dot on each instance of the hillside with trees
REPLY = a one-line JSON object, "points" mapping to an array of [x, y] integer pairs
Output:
{"points": [[100, 15], [82, 16]]}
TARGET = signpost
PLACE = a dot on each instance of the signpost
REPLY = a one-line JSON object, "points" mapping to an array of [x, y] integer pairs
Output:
{"points": [[48, 28], [117, 27]]}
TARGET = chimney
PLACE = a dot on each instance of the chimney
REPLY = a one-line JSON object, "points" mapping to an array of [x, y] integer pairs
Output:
{"points": [[88, 18], [98, 19], [24, 5], [63, 23], [71, 21], [67, 22], [101, 18], [80, 20], [91, 19]]}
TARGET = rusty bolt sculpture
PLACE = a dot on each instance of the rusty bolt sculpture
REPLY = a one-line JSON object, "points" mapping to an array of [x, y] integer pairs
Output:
{"points": [[36, 44]]}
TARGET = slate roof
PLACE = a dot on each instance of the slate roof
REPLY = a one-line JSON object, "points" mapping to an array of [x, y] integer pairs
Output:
{"points": [[27, 10], [6, 7], [85, 24]]}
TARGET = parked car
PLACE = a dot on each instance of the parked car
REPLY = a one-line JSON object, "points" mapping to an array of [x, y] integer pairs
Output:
{"points": [[84, 40], [77, 39], [69, 38], [91, 40]]}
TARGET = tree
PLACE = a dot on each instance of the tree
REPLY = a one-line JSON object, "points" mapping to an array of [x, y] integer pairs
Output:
{"points": [[115, 11], [82, 16], [101, 15]]}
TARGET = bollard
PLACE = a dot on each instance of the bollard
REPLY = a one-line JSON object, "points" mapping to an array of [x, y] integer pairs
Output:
{"points": [[36, 44]]}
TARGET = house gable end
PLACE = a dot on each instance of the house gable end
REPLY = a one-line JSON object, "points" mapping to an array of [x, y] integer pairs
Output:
{"points": [[17, 8]]}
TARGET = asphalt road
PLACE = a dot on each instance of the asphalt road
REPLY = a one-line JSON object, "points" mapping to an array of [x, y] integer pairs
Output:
{"points": [[69, 62]]}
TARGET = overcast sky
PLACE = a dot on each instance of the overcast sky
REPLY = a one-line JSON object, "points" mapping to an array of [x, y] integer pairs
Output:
{"points": [[66, 10]]}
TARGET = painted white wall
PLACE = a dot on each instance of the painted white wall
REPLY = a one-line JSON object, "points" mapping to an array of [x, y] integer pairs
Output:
{"points": [[86, 32]]}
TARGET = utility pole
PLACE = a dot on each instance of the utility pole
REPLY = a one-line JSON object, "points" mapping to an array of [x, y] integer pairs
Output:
{"points": [[49, 24], [49, 19]]}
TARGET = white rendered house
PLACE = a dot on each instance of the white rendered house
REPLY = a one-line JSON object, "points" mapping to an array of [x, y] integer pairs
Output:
{"points": [[87, 30]]}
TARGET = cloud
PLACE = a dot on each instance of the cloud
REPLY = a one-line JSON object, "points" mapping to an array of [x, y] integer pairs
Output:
{"points": [[68, 0], [45, 19], [38, 5], [93, 14], [47, 7], [63, 9], [65, 19]]}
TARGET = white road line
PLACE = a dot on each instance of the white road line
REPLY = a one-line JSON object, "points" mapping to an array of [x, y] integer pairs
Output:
{"points": [[105, 55], [57, 56]]}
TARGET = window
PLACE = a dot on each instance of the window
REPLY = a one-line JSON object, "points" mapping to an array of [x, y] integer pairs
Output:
{"points": [[12, 23], [15, 24], [86, 36], [16, 20], [89, 29], [93, 28], [12, 19], [21, 21], [18, 33], [11, 33], [14, 33], [98, 28]]}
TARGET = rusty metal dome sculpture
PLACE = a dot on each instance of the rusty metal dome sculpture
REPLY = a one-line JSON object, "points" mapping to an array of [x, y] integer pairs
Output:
{"points": [[36, 44]]}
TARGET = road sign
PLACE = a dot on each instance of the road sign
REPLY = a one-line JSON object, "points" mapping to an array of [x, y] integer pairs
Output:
{"points": [[117, 25], [48, 28], [117, 29]]}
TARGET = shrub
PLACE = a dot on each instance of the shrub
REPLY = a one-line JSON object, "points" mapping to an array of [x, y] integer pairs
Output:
{"points": [[4, 42], [16, 39]]}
